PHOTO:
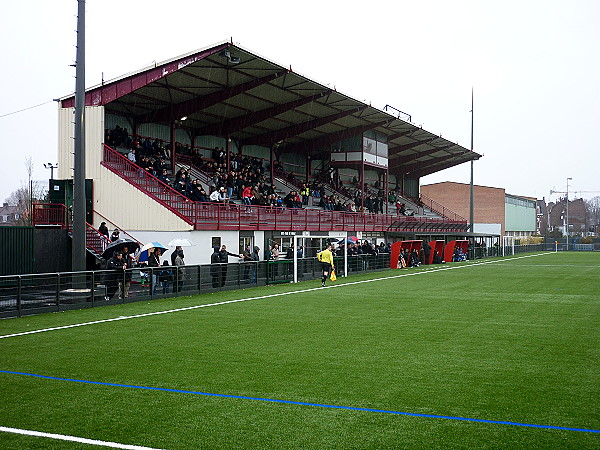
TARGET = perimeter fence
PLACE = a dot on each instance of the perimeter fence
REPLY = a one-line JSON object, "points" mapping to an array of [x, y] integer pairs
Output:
{"points": [[22, 295], [50, 292]]}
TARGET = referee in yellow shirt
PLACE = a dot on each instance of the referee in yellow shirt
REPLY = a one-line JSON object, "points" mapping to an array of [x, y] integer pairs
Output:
{"points": [[326, 259]]}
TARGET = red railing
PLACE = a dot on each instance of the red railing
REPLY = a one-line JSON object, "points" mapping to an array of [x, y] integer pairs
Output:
{"points": [[57, 214], [437, 208], [213, 216], [95, 240], [114, 225], [217, 216], [149, 184], [51, 214]]}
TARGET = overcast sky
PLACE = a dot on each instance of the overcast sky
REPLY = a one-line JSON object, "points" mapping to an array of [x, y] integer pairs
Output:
{"points": [[534, 67]]}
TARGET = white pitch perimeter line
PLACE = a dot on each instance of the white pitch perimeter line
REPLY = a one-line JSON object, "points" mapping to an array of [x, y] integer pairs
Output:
{"points": [[137, 316], [63, 437]]}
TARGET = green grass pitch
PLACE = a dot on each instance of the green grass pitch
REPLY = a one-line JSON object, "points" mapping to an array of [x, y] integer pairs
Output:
{"points": [[510, 340]]}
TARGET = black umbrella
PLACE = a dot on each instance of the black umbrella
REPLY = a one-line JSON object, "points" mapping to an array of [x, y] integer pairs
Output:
{"points": [[118, 245]]}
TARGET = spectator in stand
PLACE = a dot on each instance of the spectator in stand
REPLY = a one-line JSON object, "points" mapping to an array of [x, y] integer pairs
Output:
{"points": [[305, 192], [247, 195], [164, 177], [115, 236], [391, 197], [289, 200], [103, 229], [214, 196], [178, 175], [223, 197], [131, 155]]}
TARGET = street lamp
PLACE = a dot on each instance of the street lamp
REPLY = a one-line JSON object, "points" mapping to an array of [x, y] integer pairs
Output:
{"points": [[51, 167], [567, 226]]}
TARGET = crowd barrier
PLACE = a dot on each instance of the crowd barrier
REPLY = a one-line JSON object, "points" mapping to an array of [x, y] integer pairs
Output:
{"points": [[51, 292]]}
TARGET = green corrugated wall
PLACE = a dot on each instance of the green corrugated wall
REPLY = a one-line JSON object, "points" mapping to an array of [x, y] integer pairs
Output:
{"points": [[16, 250]]}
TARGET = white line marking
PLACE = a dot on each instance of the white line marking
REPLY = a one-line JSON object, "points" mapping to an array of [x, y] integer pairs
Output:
{"points": [[137, 316], [73, 439]]}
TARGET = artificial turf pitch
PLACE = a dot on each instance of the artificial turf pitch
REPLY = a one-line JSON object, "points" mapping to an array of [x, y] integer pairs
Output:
{"points": [[513, 340]]}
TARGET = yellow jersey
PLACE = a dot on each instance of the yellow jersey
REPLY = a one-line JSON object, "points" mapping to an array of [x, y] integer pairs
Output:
{"points": [[325, 256]]}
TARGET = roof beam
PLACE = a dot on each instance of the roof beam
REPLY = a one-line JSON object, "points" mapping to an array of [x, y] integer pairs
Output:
{"points": [[239, 123], [418, 166], [332, 138], [412, 157], [401, 148], [185, 108], [391, 137], [435, 168], [296, 129]]}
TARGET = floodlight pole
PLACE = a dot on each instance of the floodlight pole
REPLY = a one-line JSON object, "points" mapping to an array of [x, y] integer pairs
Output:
{"points": [[567, 224], [472, 194], [78, 249]]}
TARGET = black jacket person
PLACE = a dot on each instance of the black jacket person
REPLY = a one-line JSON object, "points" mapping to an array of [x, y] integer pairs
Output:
{"points": [[224, 259]]}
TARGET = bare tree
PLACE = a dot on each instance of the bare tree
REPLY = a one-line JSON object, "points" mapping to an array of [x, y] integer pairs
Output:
{"points": [[26, 195], [593, 212]]}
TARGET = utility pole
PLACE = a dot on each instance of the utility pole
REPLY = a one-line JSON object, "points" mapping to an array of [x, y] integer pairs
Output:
{"points": [[78, 249], [567, 209]]}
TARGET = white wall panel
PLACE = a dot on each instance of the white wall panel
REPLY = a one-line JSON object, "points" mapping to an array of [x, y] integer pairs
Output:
{"points": [[114, 198]]}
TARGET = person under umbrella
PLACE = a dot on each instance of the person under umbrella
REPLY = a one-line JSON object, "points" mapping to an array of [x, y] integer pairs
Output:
{"points": [[115, 269], [118, 246]]}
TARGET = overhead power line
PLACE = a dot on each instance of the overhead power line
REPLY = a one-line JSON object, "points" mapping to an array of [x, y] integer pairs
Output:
{"points": [[25, 109]]}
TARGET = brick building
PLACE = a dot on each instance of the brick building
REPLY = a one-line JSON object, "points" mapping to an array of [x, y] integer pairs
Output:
{"points": [[578, 216], [495, 211]]}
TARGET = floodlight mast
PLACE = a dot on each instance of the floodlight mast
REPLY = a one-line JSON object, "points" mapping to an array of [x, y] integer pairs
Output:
{"points": [[78, 249], [567, 224]]}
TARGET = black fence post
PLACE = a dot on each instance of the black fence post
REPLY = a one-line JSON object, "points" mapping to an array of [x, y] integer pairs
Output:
{"points": [[58, 291], [93, 287], [19, 305]]}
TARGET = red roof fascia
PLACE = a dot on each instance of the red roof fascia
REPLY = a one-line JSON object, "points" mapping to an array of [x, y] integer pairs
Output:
{"points": [[105, 94]]}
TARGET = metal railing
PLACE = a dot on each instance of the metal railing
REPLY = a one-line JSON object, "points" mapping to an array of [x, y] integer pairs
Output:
{"points": [[50, 292], [439, 208], [149, 184], [218, 216], [57, 214]]}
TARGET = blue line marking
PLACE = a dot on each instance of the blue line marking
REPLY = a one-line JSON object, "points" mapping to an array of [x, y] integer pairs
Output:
{"points": [[319, 405]]}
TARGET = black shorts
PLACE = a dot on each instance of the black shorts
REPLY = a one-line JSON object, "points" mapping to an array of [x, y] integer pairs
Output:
{"points": [[326, 267]]}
